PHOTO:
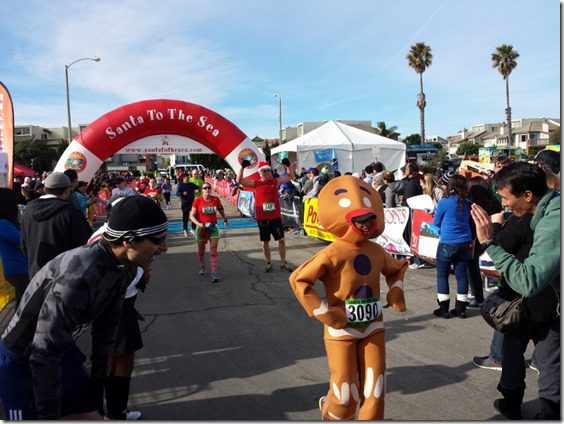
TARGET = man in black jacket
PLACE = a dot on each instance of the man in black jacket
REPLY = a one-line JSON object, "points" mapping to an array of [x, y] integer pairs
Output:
{"points": [[187, 192], [41, 369], [51, 224]]}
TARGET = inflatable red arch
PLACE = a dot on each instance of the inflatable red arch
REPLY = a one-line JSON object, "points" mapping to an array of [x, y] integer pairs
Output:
{"points": [[148, 118]]}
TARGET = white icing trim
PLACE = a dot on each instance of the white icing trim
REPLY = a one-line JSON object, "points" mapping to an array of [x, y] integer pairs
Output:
{"points": [[379, 386], [334, 332], [323, 308], [398, 284]]}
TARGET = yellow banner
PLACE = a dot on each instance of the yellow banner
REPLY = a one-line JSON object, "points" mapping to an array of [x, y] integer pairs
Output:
{"points": [[7, 292], [311, 223]]}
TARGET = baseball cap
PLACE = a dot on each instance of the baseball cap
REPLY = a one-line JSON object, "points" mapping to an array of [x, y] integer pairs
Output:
{"points": [[57, 180]]}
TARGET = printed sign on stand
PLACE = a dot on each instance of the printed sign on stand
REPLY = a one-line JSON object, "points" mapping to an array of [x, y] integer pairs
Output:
{"points": [[392, 237], [424, 236]]}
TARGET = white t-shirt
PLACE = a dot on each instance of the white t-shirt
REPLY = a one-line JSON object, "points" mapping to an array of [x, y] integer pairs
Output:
{"points": [[123, 192]]}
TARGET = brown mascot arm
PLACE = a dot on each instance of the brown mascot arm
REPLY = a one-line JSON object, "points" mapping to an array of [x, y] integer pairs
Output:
{"points": [[302, 281], [394, 271]]}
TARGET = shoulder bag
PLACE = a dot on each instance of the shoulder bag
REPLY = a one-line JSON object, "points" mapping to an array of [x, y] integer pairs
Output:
{"points": [[501, 314]]}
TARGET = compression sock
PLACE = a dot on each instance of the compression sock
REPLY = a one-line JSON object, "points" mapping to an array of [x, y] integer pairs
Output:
{"points": [[121, 387], [214, 259]]}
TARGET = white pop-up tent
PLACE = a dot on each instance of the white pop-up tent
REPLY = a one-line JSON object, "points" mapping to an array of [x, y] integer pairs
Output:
{"points": [[353, 148]]}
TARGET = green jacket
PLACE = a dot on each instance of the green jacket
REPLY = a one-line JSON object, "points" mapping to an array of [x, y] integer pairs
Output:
{"points": [[542, 267]]}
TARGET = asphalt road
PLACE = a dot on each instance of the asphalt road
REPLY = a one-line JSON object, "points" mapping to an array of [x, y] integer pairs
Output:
{"points": [[244, 349]]}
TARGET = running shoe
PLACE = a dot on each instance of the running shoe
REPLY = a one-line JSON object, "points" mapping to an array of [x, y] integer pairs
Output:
{"points": [[185, 233], [487, 363], [321, 402], [202, 270], [215, 277], [133, 415], [285, 267], [474, 305], [268, 267]]}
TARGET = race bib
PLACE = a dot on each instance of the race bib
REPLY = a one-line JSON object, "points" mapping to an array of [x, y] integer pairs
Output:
{"points": [[362, 311], [268, 207], [208, 210]]}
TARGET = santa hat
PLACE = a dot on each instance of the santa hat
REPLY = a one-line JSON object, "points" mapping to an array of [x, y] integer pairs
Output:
{"points": [[263, 165]]}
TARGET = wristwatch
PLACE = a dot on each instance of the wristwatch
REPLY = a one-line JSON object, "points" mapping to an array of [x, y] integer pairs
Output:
{"points": [[488, 243]]}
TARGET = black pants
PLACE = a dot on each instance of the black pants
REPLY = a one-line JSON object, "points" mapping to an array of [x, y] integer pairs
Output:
{"points": [[546, 337], [475, 279], [185, 214]]}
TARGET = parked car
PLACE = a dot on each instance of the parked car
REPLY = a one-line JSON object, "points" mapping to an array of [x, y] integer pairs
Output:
{"points": [[189, 167]]}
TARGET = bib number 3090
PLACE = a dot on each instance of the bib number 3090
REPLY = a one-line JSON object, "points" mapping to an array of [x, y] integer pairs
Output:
{"points": [[362, 311]]}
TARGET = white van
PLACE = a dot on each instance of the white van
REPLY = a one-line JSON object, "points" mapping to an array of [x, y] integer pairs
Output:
{"points": [[187, 168]]}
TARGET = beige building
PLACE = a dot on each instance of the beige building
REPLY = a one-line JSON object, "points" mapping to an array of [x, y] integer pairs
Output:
{"points": [[531, 135]]}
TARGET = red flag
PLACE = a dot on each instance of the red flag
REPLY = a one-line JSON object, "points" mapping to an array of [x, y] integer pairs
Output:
{"points": [[7, 130]]}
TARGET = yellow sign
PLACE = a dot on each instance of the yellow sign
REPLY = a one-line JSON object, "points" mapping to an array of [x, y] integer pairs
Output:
{"points": [[7, 292], [311, 222]]}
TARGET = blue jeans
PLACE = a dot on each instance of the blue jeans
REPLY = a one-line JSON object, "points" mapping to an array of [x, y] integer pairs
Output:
{"points": [[456, 255], [496, 347]]}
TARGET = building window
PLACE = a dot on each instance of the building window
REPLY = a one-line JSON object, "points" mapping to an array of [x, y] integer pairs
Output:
{"points": [[23, 131]]}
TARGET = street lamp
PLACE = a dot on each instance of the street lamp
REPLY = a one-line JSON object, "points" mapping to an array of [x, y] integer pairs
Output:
{"points": [[279, 115], [94, 59]]}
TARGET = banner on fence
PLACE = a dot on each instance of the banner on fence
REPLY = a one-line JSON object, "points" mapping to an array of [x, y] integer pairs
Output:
{"points": [[246, 203], [392, 237], [292, 212], [311, 222], [424, 236]]}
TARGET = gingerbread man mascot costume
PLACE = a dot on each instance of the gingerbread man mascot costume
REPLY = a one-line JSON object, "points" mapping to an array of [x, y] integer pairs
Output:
{"points": [[350, 270]]}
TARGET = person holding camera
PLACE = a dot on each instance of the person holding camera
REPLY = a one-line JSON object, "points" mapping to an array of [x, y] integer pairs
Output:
{"points": [[523, 188], [267, 207]]}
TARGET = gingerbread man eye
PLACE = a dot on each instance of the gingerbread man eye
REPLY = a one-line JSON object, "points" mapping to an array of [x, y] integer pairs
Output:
{"points": [[344, 202], [367, 202]]}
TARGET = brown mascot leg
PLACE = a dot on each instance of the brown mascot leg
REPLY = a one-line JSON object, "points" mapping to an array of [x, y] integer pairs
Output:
{"points": [[373, 377], [343, 394]]}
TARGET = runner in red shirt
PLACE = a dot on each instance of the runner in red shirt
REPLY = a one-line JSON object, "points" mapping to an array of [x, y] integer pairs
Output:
{"points": [[153, 192], [204, 216], [267, 208]]}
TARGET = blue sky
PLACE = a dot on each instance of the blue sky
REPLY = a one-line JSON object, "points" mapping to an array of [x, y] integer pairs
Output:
{"points": [[328, 59]]}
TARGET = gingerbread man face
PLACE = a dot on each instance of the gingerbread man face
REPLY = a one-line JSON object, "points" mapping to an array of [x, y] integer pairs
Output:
{"points": [[351, 208]]}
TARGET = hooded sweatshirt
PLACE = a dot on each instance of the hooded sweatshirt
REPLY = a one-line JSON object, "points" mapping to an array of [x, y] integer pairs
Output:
{"points": [[50, 226]]}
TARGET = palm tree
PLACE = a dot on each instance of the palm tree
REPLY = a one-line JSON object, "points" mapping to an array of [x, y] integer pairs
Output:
{"points": [[419, 58], [382, 130], [504, 60]]}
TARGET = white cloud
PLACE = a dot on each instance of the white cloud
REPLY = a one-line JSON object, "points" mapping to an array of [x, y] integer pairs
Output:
{"points": [[329, 59]]}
